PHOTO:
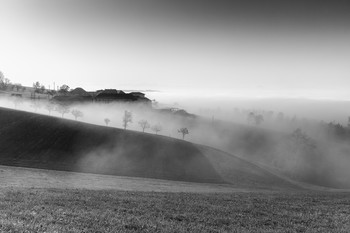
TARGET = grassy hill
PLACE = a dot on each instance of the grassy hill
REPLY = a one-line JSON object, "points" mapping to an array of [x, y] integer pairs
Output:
{"points": [[38, 141]]}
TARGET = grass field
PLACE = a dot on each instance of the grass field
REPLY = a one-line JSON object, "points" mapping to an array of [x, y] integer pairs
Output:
{"points": [[59, 210]]}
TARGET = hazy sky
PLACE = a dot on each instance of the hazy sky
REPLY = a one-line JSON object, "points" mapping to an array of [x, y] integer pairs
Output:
{"points": [[263, 48]]}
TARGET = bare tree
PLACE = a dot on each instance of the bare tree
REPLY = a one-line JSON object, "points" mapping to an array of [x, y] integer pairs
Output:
{"points": [[76, 113], [62, 109], [127, 118], [157, 128], [183, 131], [107, 121], [49, 107], [144, 125]]}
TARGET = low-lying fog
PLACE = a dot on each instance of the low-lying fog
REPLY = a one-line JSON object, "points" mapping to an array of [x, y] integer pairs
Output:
{"points": [[299, 137]]}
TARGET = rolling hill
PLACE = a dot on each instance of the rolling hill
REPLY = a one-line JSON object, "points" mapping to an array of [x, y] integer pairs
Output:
{"points": [[39, 141]]}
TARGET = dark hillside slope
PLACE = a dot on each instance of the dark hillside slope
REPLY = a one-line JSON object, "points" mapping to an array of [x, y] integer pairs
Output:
{"points": [[39, 141]]}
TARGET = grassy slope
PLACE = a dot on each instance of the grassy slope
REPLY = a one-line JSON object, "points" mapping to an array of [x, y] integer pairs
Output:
{"points": [[38, 141], [241, 173], [32, 140]]}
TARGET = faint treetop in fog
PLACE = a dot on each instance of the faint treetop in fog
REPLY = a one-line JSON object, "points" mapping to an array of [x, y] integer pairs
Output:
{"points": [[144, 125], [77, 113], [107, 121], [183, 131], [254, 118], [127, 118]]}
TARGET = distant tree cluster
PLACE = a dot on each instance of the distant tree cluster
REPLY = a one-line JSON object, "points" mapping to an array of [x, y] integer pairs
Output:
{"points": [[254, 118], [39, 88], [337, 131]]}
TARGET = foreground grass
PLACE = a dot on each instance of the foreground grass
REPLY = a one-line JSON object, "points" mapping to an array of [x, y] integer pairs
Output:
{"points": [[52, 210]]}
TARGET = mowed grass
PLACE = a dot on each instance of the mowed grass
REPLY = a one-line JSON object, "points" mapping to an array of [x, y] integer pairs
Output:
{"points": [[58, 210]]}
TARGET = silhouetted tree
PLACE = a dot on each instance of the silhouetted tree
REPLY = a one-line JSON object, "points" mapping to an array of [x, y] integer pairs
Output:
{"points": [[107, 121], [144, 125], [36, 87], [64, 89], [183, 131], [156, 128], [76, 113], [336, 131], [127, 118], [42, 89]]}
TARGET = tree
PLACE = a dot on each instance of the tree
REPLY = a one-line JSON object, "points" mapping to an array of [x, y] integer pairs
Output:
{"points": [[49, 107], [62, 109], [157, 128], [144, 125], [76, 113], [183, 131], [42, 89], [107, 121], [64, 89], [127, 118], [5, 83], [36, 87]]}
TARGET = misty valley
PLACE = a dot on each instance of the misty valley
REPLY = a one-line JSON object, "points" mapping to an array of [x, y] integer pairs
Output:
{"points": [[174, 116]]}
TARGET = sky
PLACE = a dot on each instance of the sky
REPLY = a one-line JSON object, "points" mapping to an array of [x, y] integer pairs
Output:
{"points": [[243, 48]]}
